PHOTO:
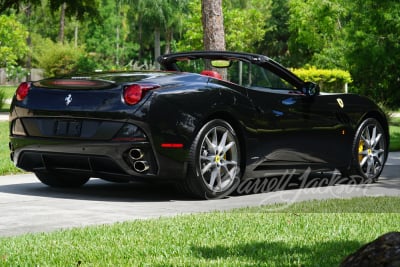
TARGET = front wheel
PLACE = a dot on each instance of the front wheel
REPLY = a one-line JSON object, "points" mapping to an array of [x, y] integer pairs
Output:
{"points": [[214, 161], [62, 180], [369, 150]]}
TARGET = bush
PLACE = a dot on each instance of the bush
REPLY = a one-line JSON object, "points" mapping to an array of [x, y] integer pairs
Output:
{"points": [[85, 64], [332, 81], [58, 59], [16, 73]]}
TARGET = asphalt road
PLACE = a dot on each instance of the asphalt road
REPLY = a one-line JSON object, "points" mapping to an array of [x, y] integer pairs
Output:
{"points": [[28, 206]]}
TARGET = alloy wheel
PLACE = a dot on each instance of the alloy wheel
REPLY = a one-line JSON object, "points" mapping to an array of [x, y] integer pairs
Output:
{"points": [[218, 159], [371, 150]]}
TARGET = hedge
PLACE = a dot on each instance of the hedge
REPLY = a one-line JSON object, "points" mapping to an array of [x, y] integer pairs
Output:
{"points": [[332, 81]]}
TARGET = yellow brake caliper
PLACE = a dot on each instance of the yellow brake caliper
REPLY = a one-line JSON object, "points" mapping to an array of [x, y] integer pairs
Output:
{"points": [[360, 150]]}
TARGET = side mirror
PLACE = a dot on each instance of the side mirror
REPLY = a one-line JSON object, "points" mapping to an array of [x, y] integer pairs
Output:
{"points": [[311, 89]]}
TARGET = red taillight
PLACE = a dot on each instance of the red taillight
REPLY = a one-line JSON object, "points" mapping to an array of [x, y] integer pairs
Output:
{"points": [[22, 90], [134, 93]]}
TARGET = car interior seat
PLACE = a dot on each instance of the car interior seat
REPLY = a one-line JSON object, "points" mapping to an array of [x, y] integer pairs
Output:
{"points": [[211, 73]]}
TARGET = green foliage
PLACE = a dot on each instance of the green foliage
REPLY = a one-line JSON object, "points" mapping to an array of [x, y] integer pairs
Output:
{"points": [[86, 63], [80, 9], [193, 31], [12, 40], [244, 24], [329, 80], [2, 99], [275, 42], [359, 36], [6, 165], [108, 40], [58, 59], [8, 91], [314, 27], [394, 129], [373, 49], [246, 27], [16, 73]]}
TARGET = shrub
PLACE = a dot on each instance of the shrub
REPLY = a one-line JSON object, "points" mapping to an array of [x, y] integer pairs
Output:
{"points": [[16, 73], [58, 59], [332, 81], [86, 63]]}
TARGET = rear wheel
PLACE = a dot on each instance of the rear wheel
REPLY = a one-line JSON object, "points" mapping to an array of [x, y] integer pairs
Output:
{"points": [[369, 150], [63, 180], [214, 161]]}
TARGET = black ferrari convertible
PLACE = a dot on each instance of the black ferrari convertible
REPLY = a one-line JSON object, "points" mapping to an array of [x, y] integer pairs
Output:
{"points": [[207, 121]]}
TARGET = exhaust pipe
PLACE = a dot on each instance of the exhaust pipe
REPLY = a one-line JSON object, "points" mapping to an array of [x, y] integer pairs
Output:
{"points": [[136, 154], [141, 166]]}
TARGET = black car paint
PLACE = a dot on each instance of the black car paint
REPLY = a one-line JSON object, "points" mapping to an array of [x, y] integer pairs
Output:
{"points": [[277, 130]]}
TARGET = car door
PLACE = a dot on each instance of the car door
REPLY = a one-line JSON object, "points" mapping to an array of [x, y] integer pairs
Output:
{"points": [[295, 130]]}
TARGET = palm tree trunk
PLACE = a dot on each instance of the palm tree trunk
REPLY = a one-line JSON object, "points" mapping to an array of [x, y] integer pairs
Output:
{"points": [[62, 23], [157, 47], [213, 25]]}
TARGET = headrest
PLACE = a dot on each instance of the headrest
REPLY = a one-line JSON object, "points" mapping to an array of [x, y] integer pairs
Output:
{"points": [[211, 73]]}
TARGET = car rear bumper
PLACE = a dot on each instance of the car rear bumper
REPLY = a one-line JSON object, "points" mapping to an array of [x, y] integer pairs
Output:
{"points": [[107, 160], [98, 159], [99, 146]]}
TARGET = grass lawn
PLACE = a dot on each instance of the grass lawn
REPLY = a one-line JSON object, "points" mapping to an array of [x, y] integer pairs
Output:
{"points": [[6, 166], [7, 92], [244, 237], [394, 129]]}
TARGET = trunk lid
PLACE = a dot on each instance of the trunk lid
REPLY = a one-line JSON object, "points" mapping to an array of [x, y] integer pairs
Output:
{"points": [[86, 95]]}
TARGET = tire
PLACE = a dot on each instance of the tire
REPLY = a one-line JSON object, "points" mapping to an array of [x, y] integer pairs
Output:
{"points": [[62, 180], [369, 151], [214, 161]]}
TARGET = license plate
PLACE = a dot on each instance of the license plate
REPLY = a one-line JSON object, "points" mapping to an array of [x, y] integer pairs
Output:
{"points": [[68, 128]]}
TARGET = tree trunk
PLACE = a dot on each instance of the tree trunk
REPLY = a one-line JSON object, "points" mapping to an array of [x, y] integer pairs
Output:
{"points": [[140, 32], [76, 31], [157, 47], [213, 25], [168, 40], [62, 23], [28, 13], [117, 46]]}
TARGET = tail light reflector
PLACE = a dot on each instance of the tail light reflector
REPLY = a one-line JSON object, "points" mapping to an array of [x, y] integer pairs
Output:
{"points": [[172, 145], [135, 92], [22, 90]]}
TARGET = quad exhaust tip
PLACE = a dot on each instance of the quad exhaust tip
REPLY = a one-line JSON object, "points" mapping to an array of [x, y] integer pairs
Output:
{"points": [[141, 166], [136, 154]]}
